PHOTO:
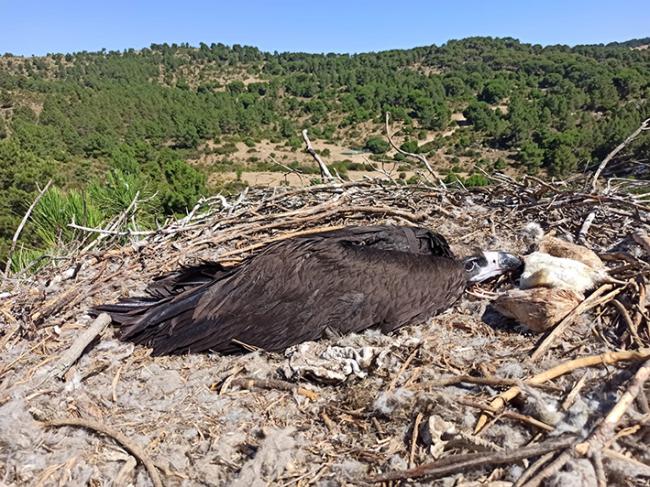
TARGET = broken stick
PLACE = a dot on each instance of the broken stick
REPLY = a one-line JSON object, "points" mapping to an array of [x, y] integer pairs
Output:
{"points": [[564, 368], [73, 353], [325, 173], [464, 462], [131, 447]]}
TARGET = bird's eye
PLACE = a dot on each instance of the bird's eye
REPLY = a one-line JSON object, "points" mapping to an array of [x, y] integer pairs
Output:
{"points": [[470, 265]]}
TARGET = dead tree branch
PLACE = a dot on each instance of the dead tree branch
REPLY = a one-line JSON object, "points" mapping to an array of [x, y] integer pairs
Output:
{"points": [[419, 157], [602, 436], [644, 126], [73, 353], [325, 173], [465, 462], [14, 240], [131, 447]]}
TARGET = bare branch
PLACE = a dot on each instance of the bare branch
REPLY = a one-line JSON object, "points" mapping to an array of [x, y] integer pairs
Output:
{"points": [[14, 240], [419, 157], [644, 126], [77, 349], [324, 171], [113, 226], [121, 439]]}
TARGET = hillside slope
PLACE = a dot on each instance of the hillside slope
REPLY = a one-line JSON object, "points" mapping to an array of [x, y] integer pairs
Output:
{"points": [[177, 121]]}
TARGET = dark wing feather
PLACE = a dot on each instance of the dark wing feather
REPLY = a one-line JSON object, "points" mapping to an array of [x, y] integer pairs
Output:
{"points": [[293, 290], [186, 278], [414, 240]]}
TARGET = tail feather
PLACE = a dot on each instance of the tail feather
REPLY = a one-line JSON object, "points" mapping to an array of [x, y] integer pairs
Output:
{"points": [[156, 320]]}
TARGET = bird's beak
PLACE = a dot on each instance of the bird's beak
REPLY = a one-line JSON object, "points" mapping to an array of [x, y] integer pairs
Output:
{"points": [[497, 263]]}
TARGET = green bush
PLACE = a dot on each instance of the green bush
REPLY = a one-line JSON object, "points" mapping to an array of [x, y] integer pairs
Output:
{"points": [[377, 145]]}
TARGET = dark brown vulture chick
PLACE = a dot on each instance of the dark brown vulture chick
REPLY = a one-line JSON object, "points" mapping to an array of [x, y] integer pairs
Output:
{"points": [[299, 289]]}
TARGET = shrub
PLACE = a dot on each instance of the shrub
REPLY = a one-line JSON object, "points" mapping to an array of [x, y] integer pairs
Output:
{"points": [[377, 145]]}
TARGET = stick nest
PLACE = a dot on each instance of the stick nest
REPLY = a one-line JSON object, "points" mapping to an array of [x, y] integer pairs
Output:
{"points": [[212, 420]]}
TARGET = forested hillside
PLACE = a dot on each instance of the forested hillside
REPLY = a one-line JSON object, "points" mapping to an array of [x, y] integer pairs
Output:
{"points": [[160, 121]]}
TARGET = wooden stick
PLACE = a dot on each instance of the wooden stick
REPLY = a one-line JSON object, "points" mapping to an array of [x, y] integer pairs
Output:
{"points": [[470, 379], [325, 173], [594, 300], [414, 439], [111, 232], [607, 358], [274, 384], [644, 126], [462, 463], [602, 435], [131, 447], [506, 414], [23, 222], [418, 157], [114, 225], [584, 229], [628, 321], [73, 353]]}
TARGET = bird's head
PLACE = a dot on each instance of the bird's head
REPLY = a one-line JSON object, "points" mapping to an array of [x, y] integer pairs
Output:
{"points": [[489, 264]]}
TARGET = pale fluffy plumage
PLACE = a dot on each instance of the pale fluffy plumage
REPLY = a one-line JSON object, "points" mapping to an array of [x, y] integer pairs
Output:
{"points": [[556, 276], [544, 270]]}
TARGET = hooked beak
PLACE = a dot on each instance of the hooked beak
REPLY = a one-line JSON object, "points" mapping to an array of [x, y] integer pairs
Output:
{"points": [[497, 263]]}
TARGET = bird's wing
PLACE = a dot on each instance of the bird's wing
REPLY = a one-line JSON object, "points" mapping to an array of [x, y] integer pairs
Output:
{"points": [[294, 290], [185, 278], [414, 240]]}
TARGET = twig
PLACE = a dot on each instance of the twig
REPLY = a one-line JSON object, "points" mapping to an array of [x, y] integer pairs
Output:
{"points": [[533, 469], [564, 368], [419, 157], [595, 299], [273, 384], [401, 370], [470, 379], [628, 321], [131, 447], [462, 463], [114, 225], [111, 232], [14, 240], [414, 439], [602, 435], [325, 173], [73, 353], [586, 225], [644, 126], [506, 414]]}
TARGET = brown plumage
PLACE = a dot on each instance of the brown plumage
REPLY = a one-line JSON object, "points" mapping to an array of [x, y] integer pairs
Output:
{"points": [[539, 308], [296, 290]]}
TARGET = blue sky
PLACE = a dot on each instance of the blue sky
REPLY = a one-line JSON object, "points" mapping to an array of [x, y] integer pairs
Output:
{"points": [[37, 27]]}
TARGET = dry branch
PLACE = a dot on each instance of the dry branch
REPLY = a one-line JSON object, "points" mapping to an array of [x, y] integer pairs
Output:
{"points": [[607, 358], [14, 240], [325, 173], [418, 157], [77, 349], [462, 463], [595, 299], [131, 447], [644, 126]]}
